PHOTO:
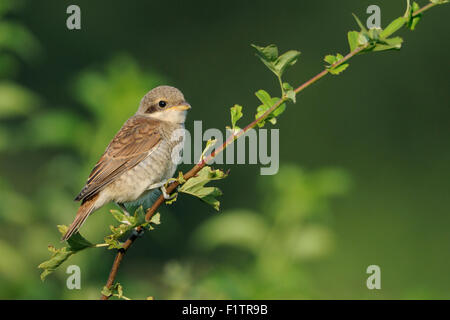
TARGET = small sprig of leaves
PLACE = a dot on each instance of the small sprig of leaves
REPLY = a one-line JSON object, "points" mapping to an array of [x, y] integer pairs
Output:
{"points": [[376, 39], [267, 103], [412, 20], [75, 243], [236, 114], [334, 67], [278, 64], [195, 186], [115, 291], [128, 223]]}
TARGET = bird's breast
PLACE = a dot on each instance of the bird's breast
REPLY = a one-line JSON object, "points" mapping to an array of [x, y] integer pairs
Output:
{"points": [[158, 166]]}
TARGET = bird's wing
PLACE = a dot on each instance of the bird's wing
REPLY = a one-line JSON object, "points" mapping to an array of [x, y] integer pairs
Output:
{"points": [[132, 144]]}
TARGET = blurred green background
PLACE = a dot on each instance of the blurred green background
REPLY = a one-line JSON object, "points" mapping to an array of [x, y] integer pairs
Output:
{"points": [[366, 155]]}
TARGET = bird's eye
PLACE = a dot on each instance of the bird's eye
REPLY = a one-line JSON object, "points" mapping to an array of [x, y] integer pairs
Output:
{"points": [[162, 103]]}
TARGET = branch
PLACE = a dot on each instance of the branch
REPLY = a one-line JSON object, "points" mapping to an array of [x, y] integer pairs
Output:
{"points": [[191, 173]]}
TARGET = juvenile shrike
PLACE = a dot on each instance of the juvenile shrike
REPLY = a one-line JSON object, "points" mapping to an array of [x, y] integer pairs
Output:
{"points": [[139, 158]]}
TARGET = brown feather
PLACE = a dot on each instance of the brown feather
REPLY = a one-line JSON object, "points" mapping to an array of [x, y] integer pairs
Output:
{"points": [[132, 144], [82, 214]]}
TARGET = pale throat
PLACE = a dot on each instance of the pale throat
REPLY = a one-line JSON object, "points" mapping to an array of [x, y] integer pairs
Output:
{"points": [[173, 116]]}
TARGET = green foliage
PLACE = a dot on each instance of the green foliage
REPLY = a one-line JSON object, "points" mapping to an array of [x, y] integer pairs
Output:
{"points": [[412, 21], [353, 40], [278, 64], [116, 291], [42, 142], [196, 186], [376, 39], [334, 67], [267, 103], [128, 223], [236, 114], [289, 92], [393, 27], [75, 243]]}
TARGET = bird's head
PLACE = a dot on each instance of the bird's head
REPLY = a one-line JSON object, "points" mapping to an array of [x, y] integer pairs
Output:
{"points": [[164, 103]]}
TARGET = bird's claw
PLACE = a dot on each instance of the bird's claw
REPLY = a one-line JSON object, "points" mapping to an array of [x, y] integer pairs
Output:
{"points": [[139, 233], [166, 195]]}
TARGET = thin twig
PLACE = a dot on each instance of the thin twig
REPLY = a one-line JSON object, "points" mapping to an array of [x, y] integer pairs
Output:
{"points": [[191, 173]]}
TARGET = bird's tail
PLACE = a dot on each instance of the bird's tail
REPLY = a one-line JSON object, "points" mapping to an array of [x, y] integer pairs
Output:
{"points": [[82, 214]]}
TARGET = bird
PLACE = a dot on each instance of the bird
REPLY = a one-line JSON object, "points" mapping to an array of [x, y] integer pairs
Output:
{"points": [[139, 158]]}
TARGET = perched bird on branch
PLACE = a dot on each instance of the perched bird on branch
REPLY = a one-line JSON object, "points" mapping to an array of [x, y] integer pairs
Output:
{"points": [[140, 158]]}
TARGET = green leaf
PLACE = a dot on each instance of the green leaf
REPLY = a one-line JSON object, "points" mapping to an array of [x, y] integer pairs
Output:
{"points": [[393, 27], [330, 59], [156, 219], [195, 186], [374, 34], [267, 55], [389, 44], [180, 178], [268, 102], [363, 39], [413, 20], [289, 92], [76, 241], [287, 59], [335, 69], [127, 224], [378, 39], [353, 39], [277, 64], [116, 290], [236, 114], [338, 69], [59, 256], [264, 97], [333, 59], [106, 291], [359, 23]]}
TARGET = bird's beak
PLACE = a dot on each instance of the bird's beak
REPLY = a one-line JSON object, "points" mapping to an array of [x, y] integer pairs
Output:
{"points": [[181, 107]]}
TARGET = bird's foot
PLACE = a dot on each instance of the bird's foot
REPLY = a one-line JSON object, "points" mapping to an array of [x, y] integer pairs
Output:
{"points": [[138, 233], [166, 195]]}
